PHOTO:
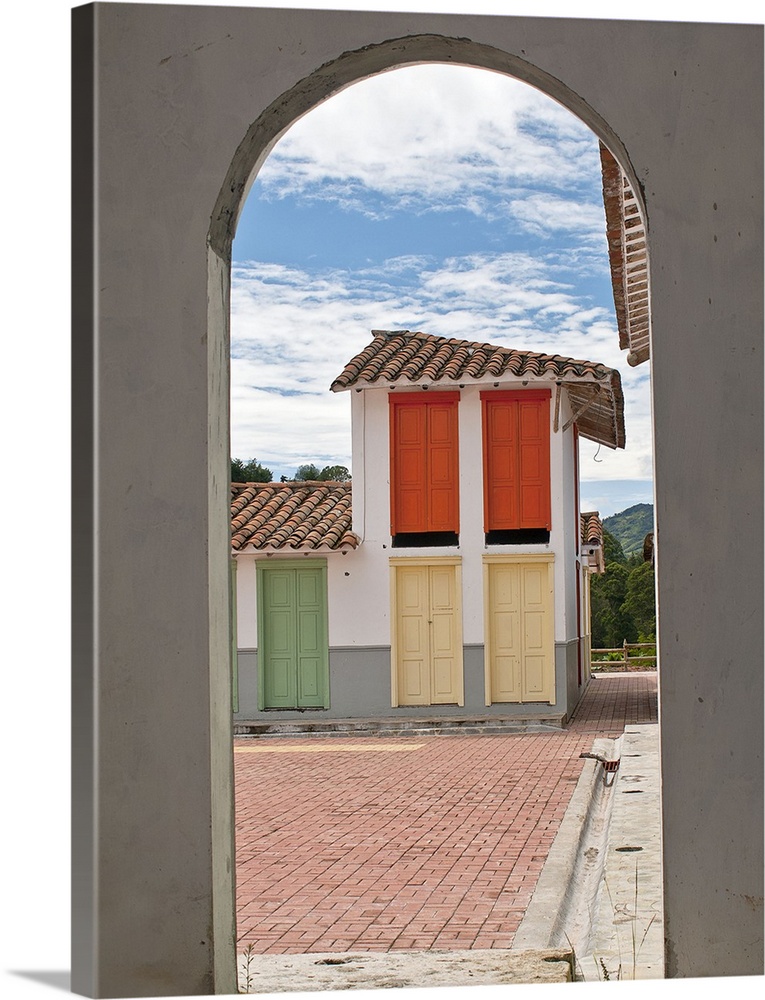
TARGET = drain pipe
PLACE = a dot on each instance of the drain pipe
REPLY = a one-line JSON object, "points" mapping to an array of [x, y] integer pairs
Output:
{"points": [[609, 766]]}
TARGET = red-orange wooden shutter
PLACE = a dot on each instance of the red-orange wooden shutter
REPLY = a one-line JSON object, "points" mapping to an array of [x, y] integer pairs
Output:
{"points": [[516, 448], [534, 462], [424, 462], [408, 480], [443, 470], [501, 464]]}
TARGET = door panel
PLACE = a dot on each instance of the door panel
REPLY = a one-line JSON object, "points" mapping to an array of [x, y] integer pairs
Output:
{"points": [[504, 632], [428, 646], [413, 653], [311, 642], [277, 645], [520, 637], [293, 643], [443, 616], [534, 678]]}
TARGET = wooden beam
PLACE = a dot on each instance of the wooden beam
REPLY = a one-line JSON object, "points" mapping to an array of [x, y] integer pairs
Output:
{"points": [[582, 409]]}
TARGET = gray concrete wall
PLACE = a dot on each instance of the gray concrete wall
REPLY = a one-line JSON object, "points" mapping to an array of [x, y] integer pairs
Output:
{"points": [[360, 684], [567, 677], [175, 108]]}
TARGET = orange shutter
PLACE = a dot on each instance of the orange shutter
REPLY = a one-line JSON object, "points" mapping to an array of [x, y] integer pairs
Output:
{"points": [[424, 462], [516, 449], [500, 464], [408, 479], [443, 471]]}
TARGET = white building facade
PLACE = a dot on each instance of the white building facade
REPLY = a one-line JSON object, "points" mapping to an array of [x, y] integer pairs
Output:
{"points": [[458, 617]]}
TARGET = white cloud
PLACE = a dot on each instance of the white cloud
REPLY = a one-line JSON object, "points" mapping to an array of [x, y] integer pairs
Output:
{"points": [[429, 137], [293, 331], [542, 214]]}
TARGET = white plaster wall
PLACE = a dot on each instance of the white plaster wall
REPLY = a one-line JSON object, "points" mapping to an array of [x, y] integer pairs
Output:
{"points": [[362, 620], [246, 602]]}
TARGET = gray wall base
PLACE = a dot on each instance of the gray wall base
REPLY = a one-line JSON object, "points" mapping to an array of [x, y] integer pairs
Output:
{"points": [[359, 686]]}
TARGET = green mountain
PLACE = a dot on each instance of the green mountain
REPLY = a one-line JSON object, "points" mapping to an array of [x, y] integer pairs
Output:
{"points": [[631, 526]]}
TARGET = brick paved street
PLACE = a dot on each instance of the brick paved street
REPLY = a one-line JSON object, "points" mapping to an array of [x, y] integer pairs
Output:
{"points": [[373, 844]]}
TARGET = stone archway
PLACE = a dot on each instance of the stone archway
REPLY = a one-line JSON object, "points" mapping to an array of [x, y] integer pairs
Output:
{"points": [[354, 66], [164, 95]]}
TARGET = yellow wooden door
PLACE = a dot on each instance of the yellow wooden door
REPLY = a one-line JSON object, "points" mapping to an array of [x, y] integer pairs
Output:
{"points": [[504, 632], [428, 645], [412, 606], [520, 646], [445, 642]]}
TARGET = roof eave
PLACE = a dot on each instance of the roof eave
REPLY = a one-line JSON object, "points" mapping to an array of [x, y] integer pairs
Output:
{"points": [[420, 383], [302, 550], [628, 260]]}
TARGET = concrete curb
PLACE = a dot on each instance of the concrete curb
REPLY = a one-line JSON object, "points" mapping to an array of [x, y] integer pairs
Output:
{"points": [[401, 726], [600, 891], [559, 912], [396, 969], [627, 933]]}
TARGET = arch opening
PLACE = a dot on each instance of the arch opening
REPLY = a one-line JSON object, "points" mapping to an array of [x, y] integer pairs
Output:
{"points": [[354, 67]]}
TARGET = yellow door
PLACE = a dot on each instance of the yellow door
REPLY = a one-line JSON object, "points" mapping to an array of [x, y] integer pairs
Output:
{"points": [[412, 633], [504, 632], [520, 647], [428, 636]]}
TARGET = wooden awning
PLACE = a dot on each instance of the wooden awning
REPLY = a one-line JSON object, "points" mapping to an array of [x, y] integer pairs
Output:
{"points": [[628, 257]]}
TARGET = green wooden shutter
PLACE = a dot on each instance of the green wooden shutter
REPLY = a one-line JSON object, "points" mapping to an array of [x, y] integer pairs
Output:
{"points": [[311, 644], [277, 646]]}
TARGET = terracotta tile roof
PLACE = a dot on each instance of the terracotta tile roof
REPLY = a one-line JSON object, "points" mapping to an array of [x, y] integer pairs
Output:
{"points": [[392, 357], [592, 541], [300, 515], [592, 528], [628, 257]]}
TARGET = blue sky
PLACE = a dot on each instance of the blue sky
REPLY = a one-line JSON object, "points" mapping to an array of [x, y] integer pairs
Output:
{"points": [[438, 198]]}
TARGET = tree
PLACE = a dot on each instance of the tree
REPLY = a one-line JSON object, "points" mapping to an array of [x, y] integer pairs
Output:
{"points": [[307, 474], [640, 601], [623, 599], [611, 622], [333, 473], [250, 471], [612, 548]]}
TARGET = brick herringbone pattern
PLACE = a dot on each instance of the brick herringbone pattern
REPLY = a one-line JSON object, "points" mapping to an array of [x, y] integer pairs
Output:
{"points": [[424, 842]]}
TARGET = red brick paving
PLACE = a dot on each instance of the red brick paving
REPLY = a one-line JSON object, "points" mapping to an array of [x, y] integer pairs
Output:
{"points": [[435, 843]]}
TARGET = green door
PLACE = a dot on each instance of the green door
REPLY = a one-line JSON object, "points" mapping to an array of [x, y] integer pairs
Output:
{"points": [[293, 650]]}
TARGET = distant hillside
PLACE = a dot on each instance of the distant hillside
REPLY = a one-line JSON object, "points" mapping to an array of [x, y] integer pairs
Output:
{"points": [[631, 526]]}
